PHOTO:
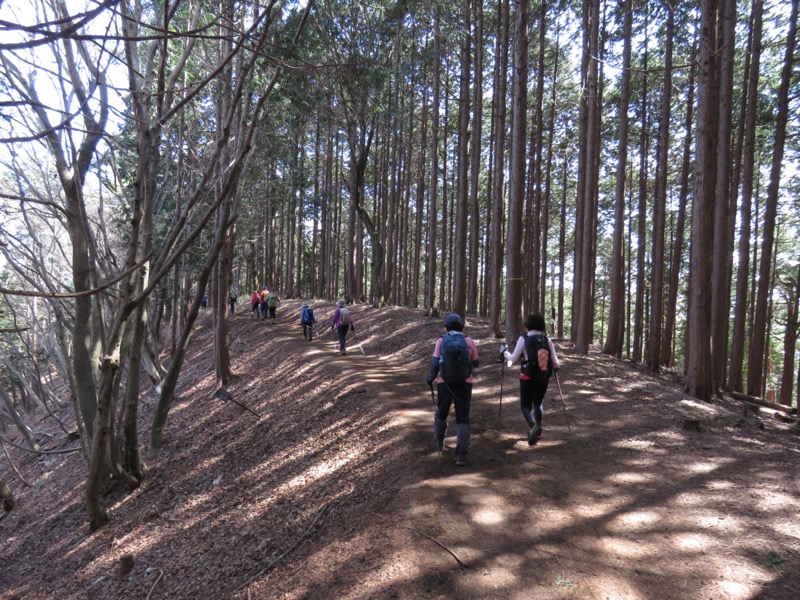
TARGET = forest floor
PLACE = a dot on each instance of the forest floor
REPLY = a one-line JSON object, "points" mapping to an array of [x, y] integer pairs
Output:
{"points": [[335, 490]]}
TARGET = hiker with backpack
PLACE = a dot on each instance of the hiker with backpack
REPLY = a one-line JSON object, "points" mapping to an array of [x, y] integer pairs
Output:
{"points": [[455, 358], [307, 320], [538, 362], [232, 296], [342, 322], [255, 300], [272, 300]]}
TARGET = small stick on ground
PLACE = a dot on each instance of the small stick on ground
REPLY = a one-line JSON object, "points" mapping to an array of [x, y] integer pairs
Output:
{"points": [[442, 546], [150, 593]]}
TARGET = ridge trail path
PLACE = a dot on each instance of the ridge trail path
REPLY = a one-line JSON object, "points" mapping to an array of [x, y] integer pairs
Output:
{"points": [[628, 505]]}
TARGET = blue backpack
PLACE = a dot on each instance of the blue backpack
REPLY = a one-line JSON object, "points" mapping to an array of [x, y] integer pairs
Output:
{"points": [[454, 364], [307, 316]]}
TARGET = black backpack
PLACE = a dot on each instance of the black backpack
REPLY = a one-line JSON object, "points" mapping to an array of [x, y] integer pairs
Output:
{"points": [[454, 363], [538, 366]]}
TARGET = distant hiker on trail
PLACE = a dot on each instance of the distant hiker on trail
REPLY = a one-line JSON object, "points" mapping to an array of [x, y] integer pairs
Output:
{"points": [[263, 304], [204, 301], [307, 320], [232, 296], [455, 357], [342, 323], [272, 304], [539, 361], [255, 301]]}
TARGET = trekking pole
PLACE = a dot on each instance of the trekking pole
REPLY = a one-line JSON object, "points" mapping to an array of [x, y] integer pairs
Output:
{"points": [[502, 373], [355, 337], [435, 440], [564, 406]]}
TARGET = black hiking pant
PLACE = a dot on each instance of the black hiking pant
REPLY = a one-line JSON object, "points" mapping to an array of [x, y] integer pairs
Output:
{"points": [[531, 396], [342, 330], [448, 394]]}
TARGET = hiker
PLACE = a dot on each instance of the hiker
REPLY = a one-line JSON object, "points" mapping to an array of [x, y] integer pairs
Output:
{"points": [[204, 301], [307, 320], [232, 296], [272, 301], [255, 301], [262, 306], [455, 358], [538, 362], [342, 323]]}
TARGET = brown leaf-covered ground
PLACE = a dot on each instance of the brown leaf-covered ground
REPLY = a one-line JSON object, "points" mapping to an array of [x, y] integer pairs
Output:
{"points": [[336, 492]]}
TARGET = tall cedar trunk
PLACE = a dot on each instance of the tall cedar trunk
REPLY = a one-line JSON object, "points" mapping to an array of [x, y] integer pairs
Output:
{"points": [[616, 319], [676, 260], [300, 219], [433, 219], [462, 183], [517, 172], [756, 365], [475, 153], [720, 277], [498, 212], [545, 222], [420, 199], [537, 271], [699, 377], [738, 339], [660, 203], [588, 194], [790, 341], [641, 222], [583, 120]]}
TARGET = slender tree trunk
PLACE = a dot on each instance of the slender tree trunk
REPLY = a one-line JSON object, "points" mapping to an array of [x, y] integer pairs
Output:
{"points": [[475, 152], [498, 178], [755, 372], [616, 320], [462, 183], [720, 277], [676, 260], [790, 341], [514, 268], [740, 312], [587, 194], [433, 219], [660, 203]]}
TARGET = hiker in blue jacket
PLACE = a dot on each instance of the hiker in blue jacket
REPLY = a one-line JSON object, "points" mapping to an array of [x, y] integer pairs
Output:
{"points": [[535, 371], [307, 320], [455, 358]]}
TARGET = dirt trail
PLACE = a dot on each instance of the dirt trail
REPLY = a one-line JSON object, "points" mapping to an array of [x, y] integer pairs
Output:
{"points": [[627, 505], [336, 491]]}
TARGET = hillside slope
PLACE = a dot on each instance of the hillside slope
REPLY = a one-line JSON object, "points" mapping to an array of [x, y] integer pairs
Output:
{"points": [[334, 490]]}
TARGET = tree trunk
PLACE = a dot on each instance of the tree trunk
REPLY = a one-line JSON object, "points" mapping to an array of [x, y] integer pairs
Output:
{"points": [[498, 177], [755, 372], [475, 153], [616, 318], [462, 186], [430, 286], [699, 377], [587, 195], [723, 233], [514, 268], [660, 203], [790, 342]]}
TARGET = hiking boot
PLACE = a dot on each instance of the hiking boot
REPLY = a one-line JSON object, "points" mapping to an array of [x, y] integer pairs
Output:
{"points": [[533, 434], [461, 460]]}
